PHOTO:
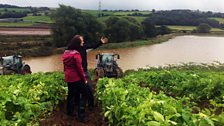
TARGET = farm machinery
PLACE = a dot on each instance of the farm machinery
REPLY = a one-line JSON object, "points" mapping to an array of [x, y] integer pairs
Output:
{"points": [[107, 66], [13, 65]]}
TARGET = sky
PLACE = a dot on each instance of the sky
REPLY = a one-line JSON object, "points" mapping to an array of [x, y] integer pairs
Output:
{"points": [[203, 5]]}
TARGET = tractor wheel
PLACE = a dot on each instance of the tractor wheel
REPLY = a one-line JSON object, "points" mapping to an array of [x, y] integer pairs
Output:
{"points": [[26, 70], [99, 73], [6, 71], [119, 72], [1, 71]]}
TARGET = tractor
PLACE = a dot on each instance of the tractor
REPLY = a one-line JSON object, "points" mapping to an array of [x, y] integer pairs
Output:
{"points": [[13, 65], [107, 66]]}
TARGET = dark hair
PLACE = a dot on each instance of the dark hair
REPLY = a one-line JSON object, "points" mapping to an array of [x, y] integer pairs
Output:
{"points": [[74, 43]]}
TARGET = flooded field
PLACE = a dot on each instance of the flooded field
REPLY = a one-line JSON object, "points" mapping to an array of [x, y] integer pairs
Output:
{"points": [[181, 49]]}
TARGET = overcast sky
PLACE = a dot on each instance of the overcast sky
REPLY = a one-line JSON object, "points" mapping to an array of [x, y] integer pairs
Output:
{"points": [[204, 5]]}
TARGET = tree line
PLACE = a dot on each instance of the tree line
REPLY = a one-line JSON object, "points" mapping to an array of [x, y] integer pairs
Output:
{"points": [[10, 13], [185, 18], [13, 14], [8, 6], [70, 21]]}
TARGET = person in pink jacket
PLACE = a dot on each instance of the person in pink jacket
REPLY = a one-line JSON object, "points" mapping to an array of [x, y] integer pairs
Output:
{"points": [[75, 78]]}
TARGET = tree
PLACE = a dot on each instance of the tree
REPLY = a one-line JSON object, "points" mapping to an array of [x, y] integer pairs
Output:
{"points": [[153, 10], [123, 29], [183, 18], [164, 30], [70, 21], [149, 28], [203, 28], [118, 29]]}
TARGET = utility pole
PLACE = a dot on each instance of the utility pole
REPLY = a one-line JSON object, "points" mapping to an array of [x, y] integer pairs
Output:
{"points": [[99, 9]]}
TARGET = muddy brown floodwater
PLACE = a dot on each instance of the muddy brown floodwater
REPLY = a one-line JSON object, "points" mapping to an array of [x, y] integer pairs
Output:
{"points": [[181, 49]]}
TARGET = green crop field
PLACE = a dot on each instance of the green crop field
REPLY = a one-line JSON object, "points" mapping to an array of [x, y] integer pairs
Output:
{"points": [[113, 13], [176, 27], [220, 20], [96, 12], [28, 21], [37, 19], [138, 18], [164, 97], [15, 24], [92, 12], [24, 99], [190, 28], [131, 12], [217, 30]]}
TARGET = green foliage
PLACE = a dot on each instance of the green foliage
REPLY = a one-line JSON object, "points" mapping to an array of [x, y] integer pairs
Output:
{"points": [[24, 99], [184, 18], [123, 29], [164, 30], [70, 21], [220, 20], [16, 9], [107, 13], [203, 28], [143, 97], [149, 28], [136, 43]]}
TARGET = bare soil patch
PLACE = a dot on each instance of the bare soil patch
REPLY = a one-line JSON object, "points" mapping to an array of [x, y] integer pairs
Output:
{"points": [[25, 31], [59, 118]]}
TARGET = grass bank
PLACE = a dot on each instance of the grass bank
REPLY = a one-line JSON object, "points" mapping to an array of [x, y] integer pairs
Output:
{"points": [[190, 28], [155, 40], [129, 44]]}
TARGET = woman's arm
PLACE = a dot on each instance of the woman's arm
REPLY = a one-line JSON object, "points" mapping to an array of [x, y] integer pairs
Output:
{"points": [[79, 67], [103, 40]]}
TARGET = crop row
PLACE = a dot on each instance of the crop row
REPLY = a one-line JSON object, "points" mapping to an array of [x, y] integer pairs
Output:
{"points": [[26, 99], [144, 98], [197, 85]]}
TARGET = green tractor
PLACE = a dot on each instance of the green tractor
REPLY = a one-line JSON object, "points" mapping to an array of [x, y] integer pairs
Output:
{"points": [[13, 65], [107, 65]]}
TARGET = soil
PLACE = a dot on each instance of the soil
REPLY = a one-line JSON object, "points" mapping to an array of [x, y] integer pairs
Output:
{"points": [[25, 31], [59, 117]]}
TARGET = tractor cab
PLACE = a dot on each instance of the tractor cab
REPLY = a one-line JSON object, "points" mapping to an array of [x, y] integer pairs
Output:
{"points": [[107, 59], [12, 62], [107, 66], [13, 65]]}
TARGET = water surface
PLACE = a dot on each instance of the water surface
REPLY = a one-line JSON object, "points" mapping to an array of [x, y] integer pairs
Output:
{"points": [[181, 49]]}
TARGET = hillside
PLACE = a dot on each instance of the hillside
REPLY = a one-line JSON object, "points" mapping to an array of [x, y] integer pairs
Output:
{"points": [[34, 16]]}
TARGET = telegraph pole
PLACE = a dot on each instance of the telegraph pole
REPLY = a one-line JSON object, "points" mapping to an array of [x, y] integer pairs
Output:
{"points": [[99, 9]]}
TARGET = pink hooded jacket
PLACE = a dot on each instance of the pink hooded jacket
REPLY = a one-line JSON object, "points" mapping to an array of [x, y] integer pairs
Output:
{"points": [[73, 70]]}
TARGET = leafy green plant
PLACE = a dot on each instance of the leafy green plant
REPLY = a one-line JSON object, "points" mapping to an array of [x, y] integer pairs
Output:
{"points": [[26, 99], [164, 96]]}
